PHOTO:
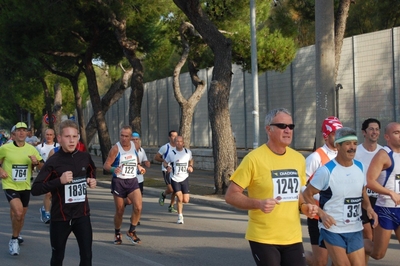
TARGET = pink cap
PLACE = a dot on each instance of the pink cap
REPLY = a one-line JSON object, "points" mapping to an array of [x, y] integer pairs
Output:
{"points": [[330, 124]]}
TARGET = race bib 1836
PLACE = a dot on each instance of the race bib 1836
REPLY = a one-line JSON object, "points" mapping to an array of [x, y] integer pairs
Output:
{"points": [[76, 190]]}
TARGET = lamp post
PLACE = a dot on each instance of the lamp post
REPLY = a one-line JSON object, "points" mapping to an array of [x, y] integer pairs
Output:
{"points": [[254, 73]]}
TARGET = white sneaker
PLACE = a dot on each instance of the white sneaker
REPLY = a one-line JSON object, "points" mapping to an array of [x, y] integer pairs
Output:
{"points": [[13, 247], [180, 219], [20, 240]]}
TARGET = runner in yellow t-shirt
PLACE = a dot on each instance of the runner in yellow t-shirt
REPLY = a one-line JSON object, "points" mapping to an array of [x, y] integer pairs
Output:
{"points": [[273, 175], [18, 159]]}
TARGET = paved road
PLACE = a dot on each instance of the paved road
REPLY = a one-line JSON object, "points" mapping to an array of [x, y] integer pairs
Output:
{"points": [[210, 236], [213, 234]]}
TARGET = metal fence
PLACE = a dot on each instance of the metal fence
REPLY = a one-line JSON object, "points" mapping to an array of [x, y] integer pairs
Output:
{"points": [[368, 72]]}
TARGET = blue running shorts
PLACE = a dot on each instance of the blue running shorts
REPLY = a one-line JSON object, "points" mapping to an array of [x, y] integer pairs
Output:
{"points": [[349, 241]]}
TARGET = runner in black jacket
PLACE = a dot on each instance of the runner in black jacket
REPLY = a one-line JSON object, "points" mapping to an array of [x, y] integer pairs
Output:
{"points": [[66, 175]]}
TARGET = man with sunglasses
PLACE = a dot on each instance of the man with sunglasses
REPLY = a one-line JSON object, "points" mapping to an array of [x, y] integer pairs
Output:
{"points": [[273, 175], [315, 160]]}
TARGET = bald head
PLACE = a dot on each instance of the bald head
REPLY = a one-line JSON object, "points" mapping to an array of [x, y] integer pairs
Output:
{"points": [[179, 143], [392, 136], [49, 135], [389, 127]]}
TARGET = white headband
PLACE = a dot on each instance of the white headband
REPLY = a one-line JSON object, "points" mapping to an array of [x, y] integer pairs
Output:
{"points": [[346, 138]]}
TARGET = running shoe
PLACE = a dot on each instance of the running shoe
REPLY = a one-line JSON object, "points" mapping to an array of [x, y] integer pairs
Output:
{"points": [[117, 239], [172, 209], [46, 219], [180, 219], [13, 247], [131, 236], [44, 216], [20, 240], [161, 199]]}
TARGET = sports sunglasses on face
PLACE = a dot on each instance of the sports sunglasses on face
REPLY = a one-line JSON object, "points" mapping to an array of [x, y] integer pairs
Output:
{"points": [[283, 126]]}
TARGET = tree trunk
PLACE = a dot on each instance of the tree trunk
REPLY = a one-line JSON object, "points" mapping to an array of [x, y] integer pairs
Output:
{"points": [[136, 97], [340, 29], [129, 47], [57, 107], [185, 126], [102, 130], [112, 96], [48, 103], [325, 64], [79, 112], [224, 149], [187, 106]]}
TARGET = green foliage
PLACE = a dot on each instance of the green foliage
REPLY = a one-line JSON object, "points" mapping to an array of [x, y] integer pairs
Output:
{"points": [[296, 18], [372, 15], [274, 50], [163, 54], [18, 96], [57, 33], [232, 18], [161, 62]]}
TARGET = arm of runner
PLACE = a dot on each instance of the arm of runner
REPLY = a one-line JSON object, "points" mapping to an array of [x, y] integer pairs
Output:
{"points": [[235, 197], [141, 169], [43, 183], [381, 161], [326, 219], [36, 162], [33, 159], [158, 157], [66, 177], [110, 159], [308, 209], [308, 193], [91, 174], [190, 166], [50, 153], [92, 182], [167, 164], [3, 174]]}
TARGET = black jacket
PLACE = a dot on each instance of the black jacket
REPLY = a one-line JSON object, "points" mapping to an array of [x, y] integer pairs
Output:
{"points": [[48, 180]]}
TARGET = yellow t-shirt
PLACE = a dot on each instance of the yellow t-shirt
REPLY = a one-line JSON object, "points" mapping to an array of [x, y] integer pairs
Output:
{"points": [[18, 165], [267, 175]]}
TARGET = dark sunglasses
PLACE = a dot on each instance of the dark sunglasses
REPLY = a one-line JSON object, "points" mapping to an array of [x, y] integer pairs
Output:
{"points": [[283, 126]]}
